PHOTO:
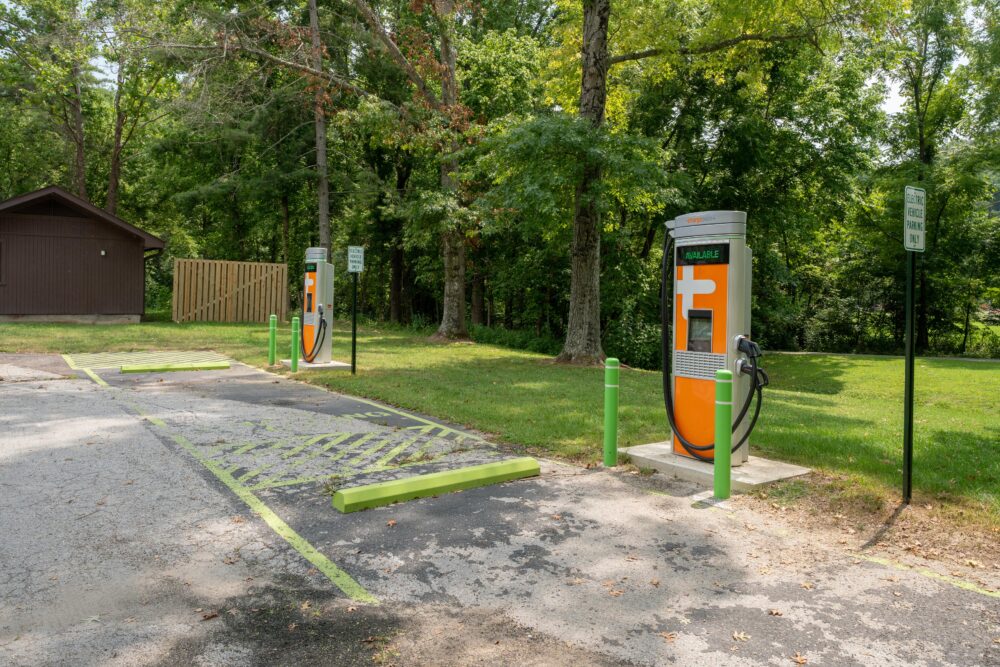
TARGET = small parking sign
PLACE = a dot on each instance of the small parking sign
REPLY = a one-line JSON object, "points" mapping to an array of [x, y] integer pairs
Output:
{"points": [[914, 216], [355, 259]]}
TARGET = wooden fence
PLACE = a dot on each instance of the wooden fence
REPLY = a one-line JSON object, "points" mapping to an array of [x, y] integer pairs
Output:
{"points": [[219, 291]]}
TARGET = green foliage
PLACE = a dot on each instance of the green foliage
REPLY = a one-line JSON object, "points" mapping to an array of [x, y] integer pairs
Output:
{"points": [[221, 156]]}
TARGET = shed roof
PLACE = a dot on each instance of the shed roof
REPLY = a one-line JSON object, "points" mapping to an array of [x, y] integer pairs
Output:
{"points": [[12, 205]]}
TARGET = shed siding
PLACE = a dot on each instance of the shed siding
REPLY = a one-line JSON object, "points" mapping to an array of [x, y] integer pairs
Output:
{"points": [[52, 265]]}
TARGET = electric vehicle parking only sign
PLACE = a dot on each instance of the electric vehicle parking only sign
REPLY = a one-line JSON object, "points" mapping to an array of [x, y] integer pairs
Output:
{"points": [[355, 259], [914, 216]]}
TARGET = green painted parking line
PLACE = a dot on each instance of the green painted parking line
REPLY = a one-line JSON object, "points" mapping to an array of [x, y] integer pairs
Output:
{"points": [[169, 368], [436, 483]]}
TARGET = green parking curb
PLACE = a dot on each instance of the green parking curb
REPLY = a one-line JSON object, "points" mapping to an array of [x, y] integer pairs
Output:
{"points": [[165, 368], [432, 484]]}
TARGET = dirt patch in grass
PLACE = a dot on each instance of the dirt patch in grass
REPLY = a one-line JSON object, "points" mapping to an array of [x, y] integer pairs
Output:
{"points": [[944, 534]]}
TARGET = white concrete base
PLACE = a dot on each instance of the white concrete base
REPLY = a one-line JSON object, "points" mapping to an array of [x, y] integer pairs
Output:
{"points": [[755, 472], [328, 366]]}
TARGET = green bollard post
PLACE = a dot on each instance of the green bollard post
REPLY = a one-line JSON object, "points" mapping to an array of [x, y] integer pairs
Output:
{"points": [[295, 345], [722, 472], [272, 340], [611, 368]]}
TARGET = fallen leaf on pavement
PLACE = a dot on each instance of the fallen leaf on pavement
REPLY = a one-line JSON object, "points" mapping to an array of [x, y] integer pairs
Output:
{"points": [[630, 558], [390, 523], [350, 609], [575, 582], [808, 585], [556, 517], [740, 636], [209, 615], [654, 582], [669, 636], [305, 605], [292, 626], [774, 612], [685, 621], [800, 659], [614, 593]]}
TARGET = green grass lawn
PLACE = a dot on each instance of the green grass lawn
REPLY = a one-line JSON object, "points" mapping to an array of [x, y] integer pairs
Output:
{"points": [[838, 414]]}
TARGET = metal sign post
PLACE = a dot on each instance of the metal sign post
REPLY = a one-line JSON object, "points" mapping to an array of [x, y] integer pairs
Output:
{"points": [[355, 265], [914, 217]]}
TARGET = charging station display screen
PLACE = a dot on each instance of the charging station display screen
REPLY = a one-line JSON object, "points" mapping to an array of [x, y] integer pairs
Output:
{"points": [[712, 253], [699, 330], [310, 268]]}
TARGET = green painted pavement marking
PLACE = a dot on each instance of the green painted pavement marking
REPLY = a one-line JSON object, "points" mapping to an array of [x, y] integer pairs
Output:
{"points": [[316, 452], [338, 577], [428, 422], [95, 377], [169, 368], [80, 361], [380, 464], [436, 483], [381, 444], [353, 446], [286, 455], [954, 581]]}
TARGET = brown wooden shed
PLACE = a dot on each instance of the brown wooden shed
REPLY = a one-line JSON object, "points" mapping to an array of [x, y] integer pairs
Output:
{"points": [[63, 258]]}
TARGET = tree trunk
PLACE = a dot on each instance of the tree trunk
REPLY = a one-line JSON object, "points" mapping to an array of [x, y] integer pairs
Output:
{"points": [[583, 332], [396, 284], [478, 300], [923, 333], [115, 168], [284, 227], [453, 308], [453, 242], [76, 132], [965, 330], [322, 176]]}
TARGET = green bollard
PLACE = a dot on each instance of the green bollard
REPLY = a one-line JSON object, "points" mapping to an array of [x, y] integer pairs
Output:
{"points": [[295, 345], [722, 472], [272, 340], [611, 412]]}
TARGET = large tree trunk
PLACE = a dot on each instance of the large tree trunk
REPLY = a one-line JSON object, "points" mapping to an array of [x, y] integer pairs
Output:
{"points": [[583, 333], [453, 310], [115, 168], [284, 227], [76, 132], [322, 177]]}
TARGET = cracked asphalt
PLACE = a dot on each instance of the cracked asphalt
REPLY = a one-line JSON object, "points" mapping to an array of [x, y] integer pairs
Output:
{"points": [[122, 547]]}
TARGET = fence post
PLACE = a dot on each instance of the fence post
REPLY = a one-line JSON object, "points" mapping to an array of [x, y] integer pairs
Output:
{"points": [[272, 339], [611, 368], [722, 471], [294, 362]]}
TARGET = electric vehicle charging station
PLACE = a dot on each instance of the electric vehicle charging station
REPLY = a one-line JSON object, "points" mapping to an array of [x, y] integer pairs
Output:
{"points": [[710, 326], [316, 345], [705, 313], [317, 308]]}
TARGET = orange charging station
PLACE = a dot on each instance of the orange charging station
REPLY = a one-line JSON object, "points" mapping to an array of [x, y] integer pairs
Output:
{"points": [[317, 308], [710, 330]]}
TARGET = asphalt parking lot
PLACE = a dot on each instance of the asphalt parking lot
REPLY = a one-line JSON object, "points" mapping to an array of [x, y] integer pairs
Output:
{"points": [[185, 518]]}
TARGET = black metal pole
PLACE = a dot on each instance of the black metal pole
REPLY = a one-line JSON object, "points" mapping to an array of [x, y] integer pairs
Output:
{"points": [[354, 327], [911, 261]]}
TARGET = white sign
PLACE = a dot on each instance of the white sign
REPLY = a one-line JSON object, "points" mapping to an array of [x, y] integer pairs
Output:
{"points": [[914, 217], [355, 259]]}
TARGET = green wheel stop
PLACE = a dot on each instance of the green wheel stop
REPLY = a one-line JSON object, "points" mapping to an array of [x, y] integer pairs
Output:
{"points": [[166, 368], [433, 484]]}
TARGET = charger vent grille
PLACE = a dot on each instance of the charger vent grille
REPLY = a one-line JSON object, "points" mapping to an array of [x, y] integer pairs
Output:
{"points": [[698, 365]]}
